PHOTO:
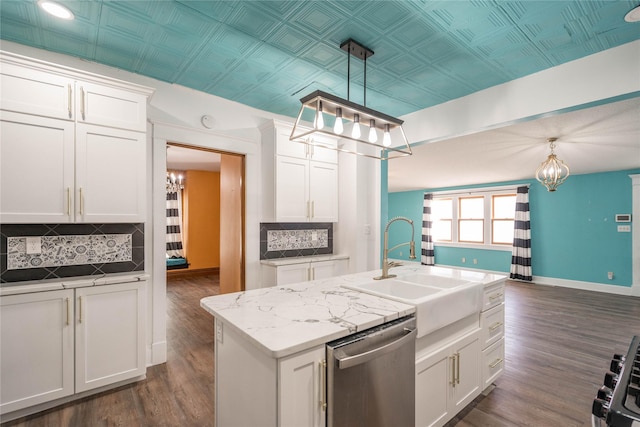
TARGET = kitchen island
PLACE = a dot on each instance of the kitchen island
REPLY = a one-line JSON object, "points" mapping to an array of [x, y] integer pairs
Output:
{"points": [[270, 345]]}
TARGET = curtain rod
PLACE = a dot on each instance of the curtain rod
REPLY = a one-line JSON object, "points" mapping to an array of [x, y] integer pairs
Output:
{"points": [[478, 190]]}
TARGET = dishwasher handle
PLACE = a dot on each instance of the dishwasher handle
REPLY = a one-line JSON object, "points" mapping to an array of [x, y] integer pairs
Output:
{"points": [[345, 362]]}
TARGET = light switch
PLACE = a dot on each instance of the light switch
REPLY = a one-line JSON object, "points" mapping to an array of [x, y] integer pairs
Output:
{"points": [[34, 245]]}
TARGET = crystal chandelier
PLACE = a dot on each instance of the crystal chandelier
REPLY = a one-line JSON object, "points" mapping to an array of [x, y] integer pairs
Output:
{"points": [[384, 139], [553, 171]]}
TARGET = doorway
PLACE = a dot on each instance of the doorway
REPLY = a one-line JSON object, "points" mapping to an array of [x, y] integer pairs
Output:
{"points": [[211, 192]]}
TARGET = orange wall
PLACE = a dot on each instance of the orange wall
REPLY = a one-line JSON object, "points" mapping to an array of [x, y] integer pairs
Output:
{"points": [[201, 218]]}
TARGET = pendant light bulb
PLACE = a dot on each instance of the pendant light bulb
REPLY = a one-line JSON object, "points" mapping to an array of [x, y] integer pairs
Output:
{"points": [[337, 126], [373, 135], [355, 132], [319, 121], [386, 137]]}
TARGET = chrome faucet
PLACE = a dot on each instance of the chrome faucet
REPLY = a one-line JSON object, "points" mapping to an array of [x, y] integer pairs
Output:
{"points": [[386, 265]]}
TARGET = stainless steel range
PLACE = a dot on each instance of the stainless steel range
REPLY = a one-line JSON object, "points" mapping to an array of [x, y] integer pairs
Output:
{"points": [[618, 401]]}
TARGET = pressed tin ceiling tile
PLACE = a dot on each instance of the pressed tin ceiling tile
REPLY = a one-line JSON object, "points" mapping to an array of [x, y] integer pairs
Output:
{"points": [[445, 49]]}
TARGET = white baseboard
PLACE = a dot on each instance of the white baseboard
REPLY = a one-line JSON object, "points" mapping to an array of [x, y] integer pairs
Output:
{"points": [[586, 286]]}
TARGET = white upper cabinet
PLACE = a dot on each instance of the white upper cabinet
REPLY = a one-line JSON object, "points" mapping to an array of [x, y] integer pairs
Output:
{"points": [[104, 157], [37, 92], [67, 138], [108, 106], [37, 169], [300, 181], [40, 89]]}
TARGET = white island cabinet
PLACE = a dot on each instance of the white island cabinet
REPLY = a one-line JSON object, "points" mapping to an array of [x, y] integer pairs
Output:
{"points": [[59, 344], [270, 356]]}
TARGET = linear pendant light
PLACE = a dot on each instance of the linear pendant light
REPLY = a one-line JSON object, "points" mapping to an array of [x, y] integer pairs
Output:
{"points": [[326, 107]]}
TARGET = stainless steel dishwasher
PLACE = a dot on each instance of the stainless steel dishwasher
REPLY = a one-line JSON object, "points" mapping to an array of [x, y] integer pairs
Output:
{"points": [[371, 377]]}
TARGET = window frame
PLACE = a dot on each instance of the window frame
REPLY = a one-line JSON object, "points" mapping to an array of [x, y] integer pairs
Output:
{"points": [[488, 194]]}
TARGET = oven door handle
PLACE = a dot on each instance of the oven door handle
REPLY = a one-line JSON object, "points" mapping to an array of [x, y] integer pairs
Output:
{"points": [[345, 362]]}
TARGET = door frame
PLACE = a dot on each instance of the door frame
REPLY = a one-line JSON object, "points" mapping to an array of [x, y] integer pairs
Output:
{"points": [[155, 237]]}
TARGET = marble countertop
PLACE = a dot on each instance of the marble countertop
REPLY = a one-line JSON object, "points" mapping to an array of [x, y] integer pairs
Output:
{"points": [[284, 320], [15, 288]]}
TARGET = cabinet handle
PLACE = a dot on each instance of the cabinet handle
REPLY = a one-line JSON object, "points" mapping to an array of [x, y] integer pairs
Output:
{"points": [[495, 326], [313, 273], [68, 311], [457, 368], [68, 201], [313, 208], [322, 365], [495, 297], [82, 102], [79, 309], [69, 99], [308, 209], [496, 363], [453, 370], [81, 202]]}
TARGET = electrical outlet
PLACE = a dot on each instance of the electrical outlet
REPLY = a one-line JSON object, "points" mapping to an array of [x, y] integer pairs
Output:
{"points": [[219, 332], [610, 275], [464, 260], [475, 261], [624, 229], [34, 245]]}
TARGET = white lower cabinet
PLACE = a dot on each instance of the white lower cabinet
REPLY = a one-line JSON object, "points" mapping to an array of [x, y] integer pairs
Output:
{"points": [[57, 343], [301, 389], [286, 274], [110, 334], [304, 272], [36, 348], [447, 380]]}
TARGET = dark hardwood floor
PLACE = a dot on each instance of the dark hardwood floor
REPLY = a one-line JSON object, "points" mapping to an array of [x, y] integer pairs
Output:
{"points": [[558, 346]]}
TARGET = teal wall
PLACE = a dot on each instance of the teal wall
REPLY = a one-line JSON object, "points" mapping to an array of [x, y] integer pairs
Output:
{"points": [[573, 230]]}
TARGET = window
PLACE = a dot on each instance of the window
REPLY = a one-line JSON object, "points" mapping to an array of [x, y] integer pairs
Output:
{"points": [[503, 212], [483, 217], [471, 219], [441, 219]]}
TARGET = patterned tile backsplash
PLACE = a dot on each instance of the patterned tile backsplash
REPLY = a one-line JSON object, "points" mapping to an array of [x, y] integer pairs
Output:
{"points": [[56, 251], [69, 250], [282, 240]]}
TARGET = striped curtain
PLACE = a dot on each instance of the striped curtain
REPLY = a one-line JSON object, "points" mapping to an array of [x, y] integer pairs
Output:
{"points": [[427, 251], [521, 253], [174, 221]]}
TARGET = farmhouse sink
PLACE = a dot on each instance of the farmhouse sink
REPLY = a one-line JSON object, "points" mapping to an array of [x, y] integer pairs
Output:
{"points": [[439, 301], [439, 282], [395, 289]]}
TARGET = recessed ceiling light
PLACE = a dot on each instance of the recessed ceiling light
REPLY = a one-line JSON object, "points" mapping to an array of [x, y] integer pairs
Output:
{"points": [[56, 9], [633, 15]]}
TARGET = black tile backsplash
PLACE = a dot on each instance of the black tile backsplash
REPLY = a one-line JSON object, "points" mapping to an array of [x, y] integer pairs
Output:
{"points": [[19, 230]]}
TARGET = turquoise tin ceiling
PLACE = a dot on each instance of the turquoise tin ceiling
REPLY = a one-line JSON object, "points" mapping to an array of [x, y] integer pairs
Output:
{"points": [[268, 54]]}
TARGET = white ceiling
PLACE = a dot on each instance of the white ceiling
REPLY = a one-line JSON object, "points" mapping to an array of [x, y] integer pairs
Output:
{"points": [[182, 159], [597, 139]]}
